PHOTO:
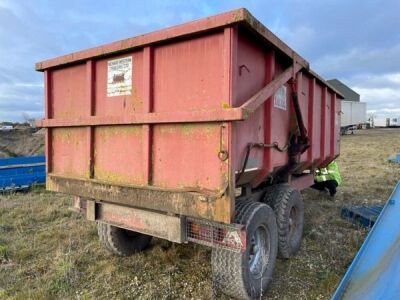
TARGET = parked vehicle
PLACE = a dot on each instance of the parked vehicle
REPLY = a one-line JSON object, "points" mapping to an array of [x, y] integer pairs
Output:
{"points": [[208, 135], [6, 128], [386, 122], [354, 115]]}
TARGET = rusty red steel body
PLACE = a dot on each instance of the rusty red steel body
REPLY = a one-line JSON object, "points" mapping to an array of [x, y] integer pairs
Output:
{"points": [[174, 138]]}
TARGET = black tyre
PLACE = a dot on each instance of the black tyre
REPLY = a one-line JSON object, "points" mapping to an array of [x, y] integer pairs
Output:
{"points": [[120, 241], [247, 275], [288, 206]]}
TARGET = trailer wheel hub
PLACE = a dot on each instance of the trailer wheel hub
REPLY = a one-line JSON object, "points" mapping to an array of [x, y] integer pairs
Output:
{"points": [[259, 251]]}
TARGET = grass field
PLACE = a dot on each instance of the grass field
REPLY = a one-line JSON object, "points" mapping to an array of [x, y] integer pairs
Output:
{"points": [[47, 251]]}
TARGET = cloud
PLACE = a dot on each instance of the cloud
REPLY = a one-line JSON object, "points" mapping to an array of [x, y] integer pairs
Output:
{"points": [[361, 60], [376, 81], [380, 100], [304, 37], [380, 91], [356, 41]]}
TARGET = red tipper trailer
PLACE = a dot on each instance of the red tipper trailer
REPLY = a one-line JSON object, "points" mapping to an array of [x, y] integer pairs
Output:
{"points": [[202, 132]]}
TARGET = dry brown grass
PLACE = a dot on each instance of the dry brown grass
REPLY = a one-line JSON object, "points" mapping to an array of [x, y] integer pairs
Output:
{"points": [[48, 252], [21, 142]]}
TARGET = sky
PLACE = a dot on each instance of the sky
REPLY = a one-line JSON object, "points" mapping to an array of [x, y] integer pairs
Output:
{"points": [[356, 41]]}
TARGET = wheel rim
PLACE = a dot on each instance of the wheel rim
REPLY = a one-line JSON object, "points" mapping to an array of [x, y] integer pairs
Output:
{"points": [[259, 251]]}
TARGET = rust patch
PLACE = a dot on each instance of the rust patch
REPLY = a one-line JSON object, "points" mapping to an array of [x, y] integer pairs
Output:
{"points": [[147, 222], [187, 129], [136, 102], [113, 177], [239, 15], [223, 209], [178, 202], [107, 132], [225, 105], [63, 134]]}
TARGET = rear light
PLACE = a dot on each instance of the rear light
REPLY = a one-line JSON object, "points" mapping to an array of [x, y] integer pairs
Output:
{"points": [[227, 236]]}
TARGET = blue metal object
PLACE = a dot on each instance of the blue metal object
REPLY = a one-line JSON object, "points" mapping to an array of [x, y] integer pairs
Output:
{"points": [[21, 172], [395, 159], [362, 215], [374, 272]]}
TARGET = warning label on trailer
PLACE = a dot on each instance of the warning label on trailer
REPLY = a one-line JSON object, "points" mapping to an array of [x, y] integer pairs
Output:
{"points": [[119, 77], [280, 98]]}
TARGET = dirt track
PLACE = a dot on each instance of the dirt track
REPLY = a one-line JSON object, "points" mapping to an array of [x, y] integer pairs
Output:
{"points": [[47, 251], [21, 142]]}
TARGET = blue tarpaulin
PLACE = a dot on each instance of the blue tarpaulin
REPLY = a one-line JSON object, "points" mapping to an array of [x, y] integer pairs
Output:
{"points": [[375, 271]]}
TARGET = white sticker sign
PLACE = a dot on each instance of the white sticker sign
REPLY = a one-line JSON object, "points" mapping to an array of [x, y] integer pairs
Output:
{"points": [[280, 98], [119, 76]]}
